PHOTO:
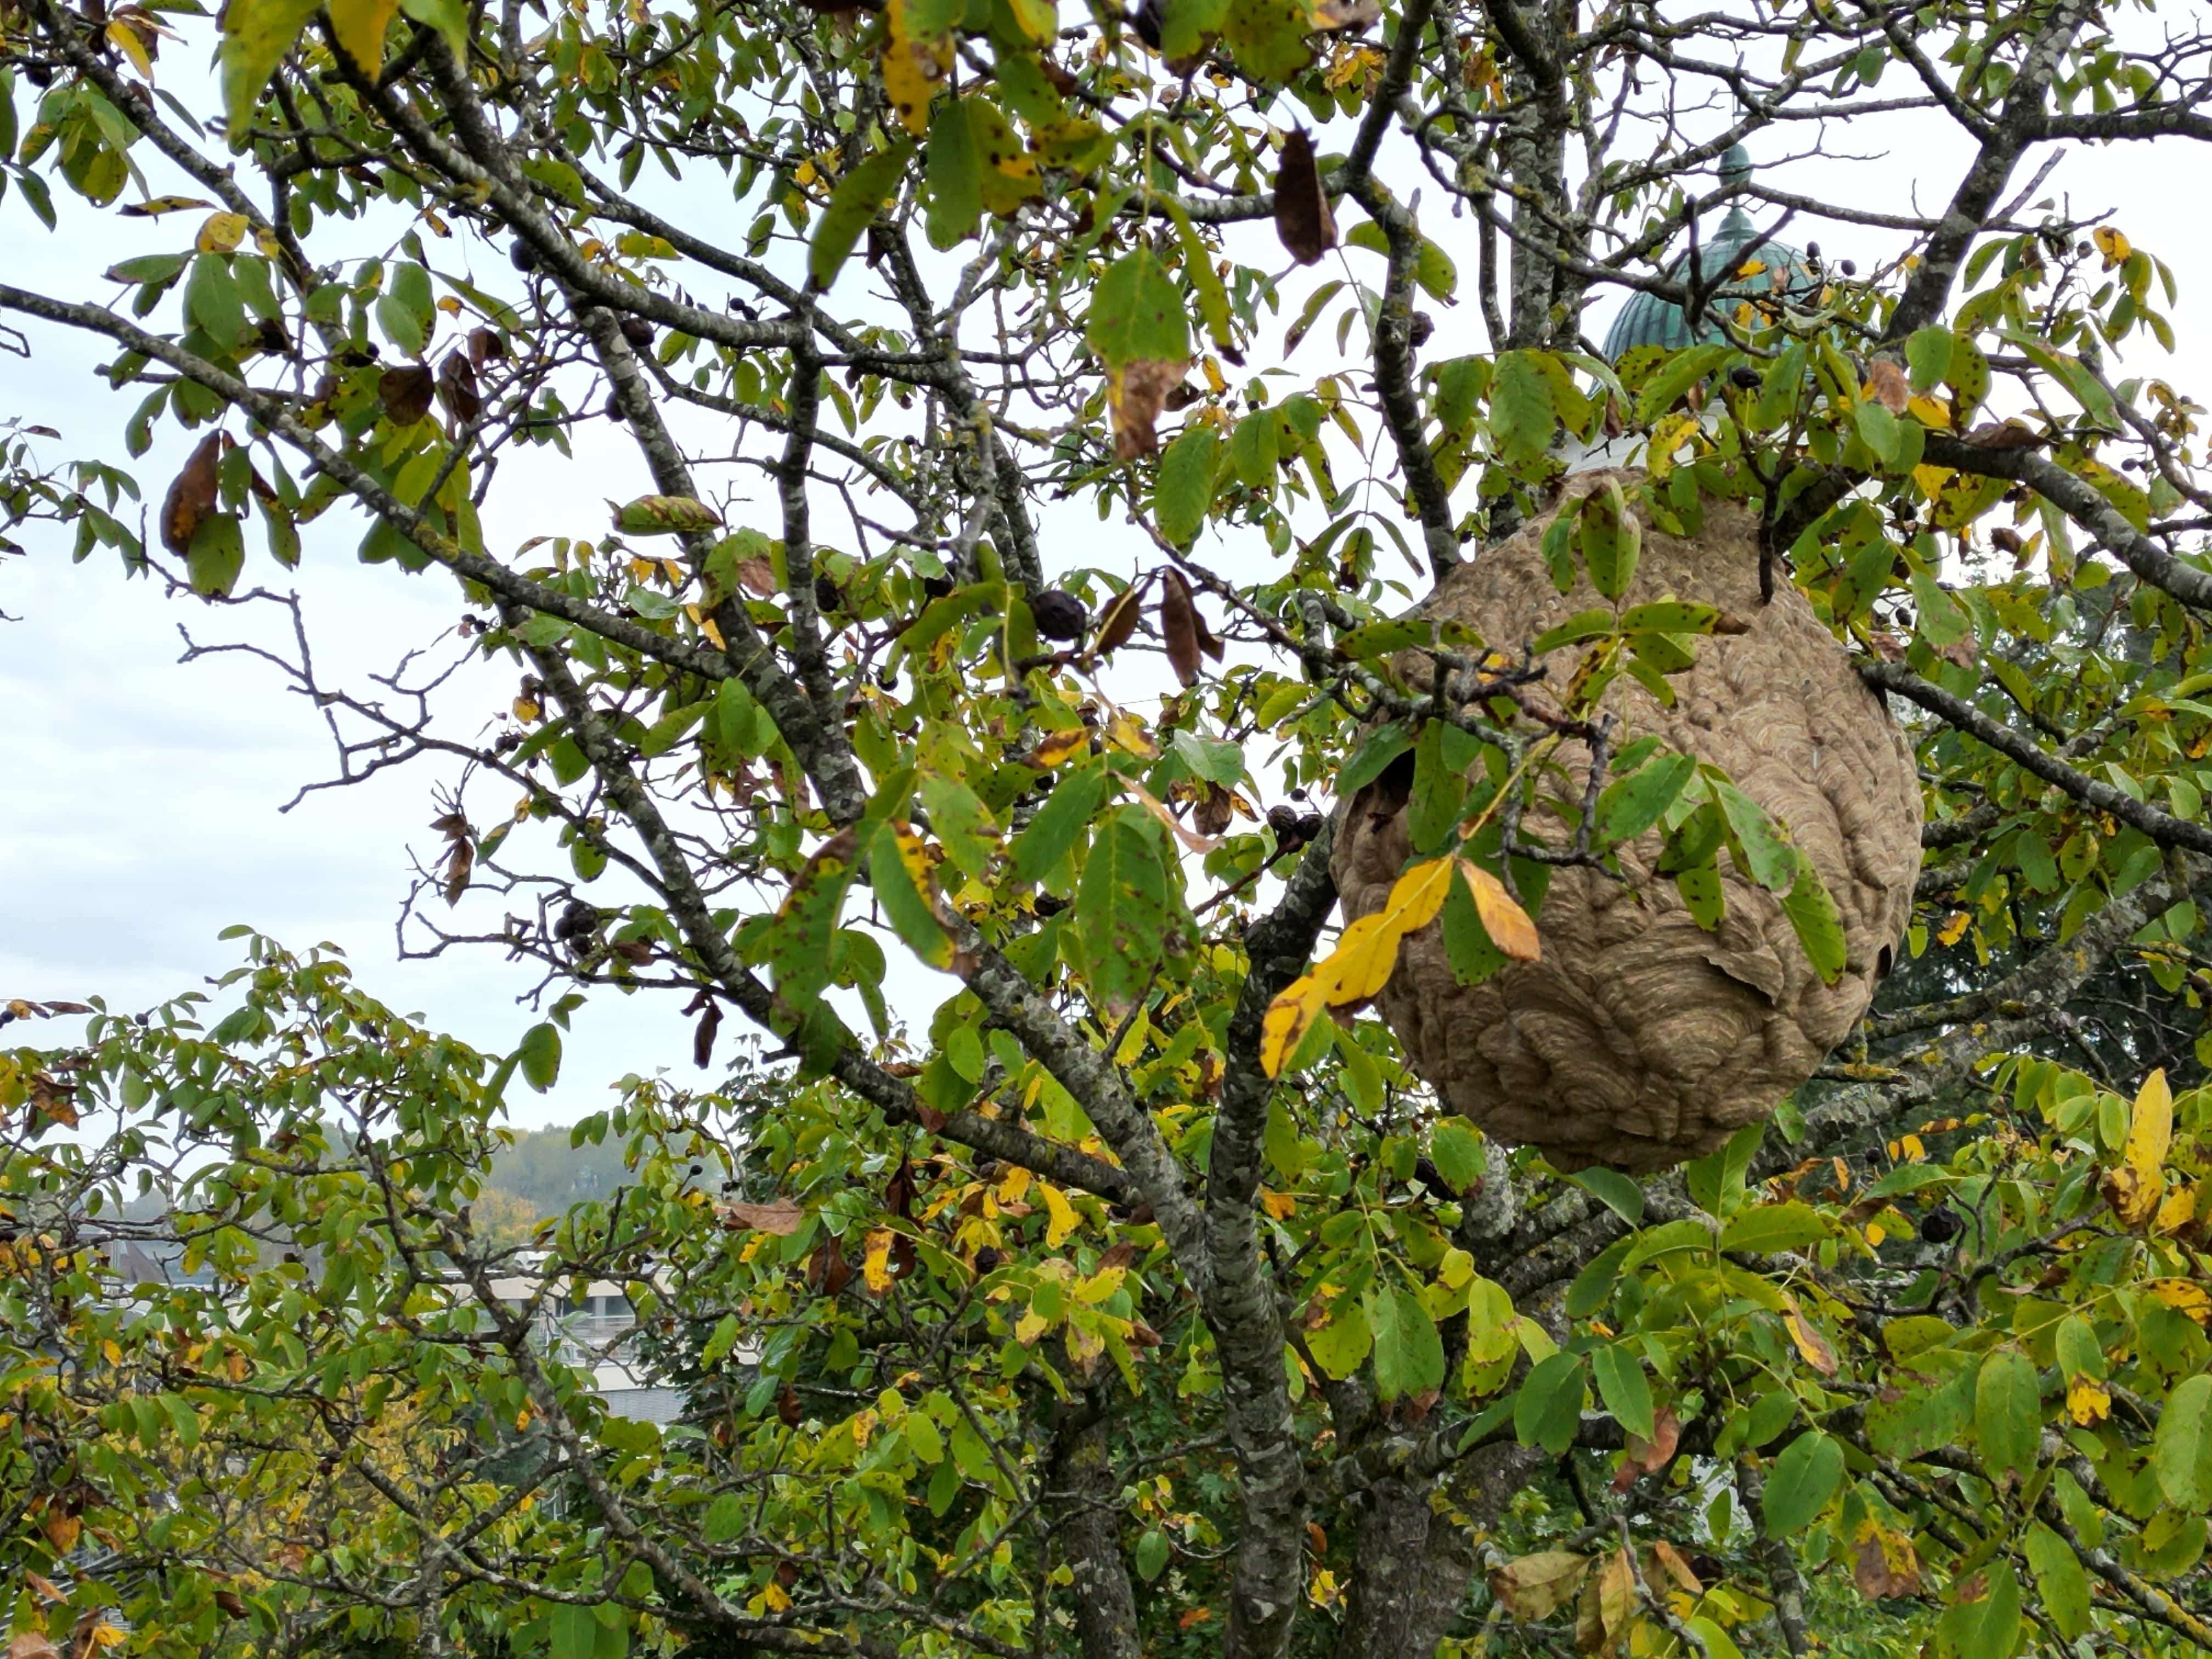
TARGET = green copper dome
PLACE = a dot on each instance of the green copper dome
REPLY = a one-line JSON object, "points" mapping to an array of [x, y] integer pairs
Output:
{"points": [[1649, 320]]}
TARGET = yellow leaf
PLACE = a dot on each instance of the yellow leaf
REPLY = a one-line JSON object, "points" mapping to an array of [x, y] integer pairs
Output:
{"points": [[1503, 918], [124, 40], [360, 27], [2150, 1132], [1030, 1327], [2182, 1296], [1281, 1205], [1668, 437], [1288, 1017], [1359, 967], [1060, 1217], [2177, 1210], [1815, 1347], [1124, 733], [2113, 246], [1418, 895], [1016, 1183], [1932, 412], [1056, 746], [1953, 928], [2088, 1400], [221, 233], [773, 1598], [912, 68], [876, 1266]]}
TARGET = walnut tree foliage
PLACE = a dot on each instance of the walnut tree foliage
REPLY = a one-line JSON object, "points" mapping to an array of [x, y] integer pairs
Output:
{"points": [[1031, 425]]}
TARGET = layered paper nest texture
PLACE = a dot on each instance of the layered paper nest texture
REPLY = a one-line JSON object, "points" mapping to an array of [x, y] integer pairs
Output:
{"points": [[1641, 1039]]}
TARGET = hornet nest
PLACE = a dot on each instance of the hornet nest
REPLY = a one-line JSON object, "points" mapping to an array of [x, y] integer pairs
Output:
{"points": [[1640, 1040]]}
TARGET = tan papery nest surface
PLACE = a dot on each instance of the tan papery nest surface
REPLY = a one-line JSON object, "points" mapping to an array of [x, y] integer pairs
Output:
{"points": [[1640, 1040]]}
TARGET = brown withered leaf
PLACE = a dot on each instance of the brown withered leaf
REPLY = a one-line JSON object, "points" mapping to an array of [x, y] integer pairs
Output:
{"points": [[1666, 1562], [32, 1645], [1213, 810], [57, 1102], [1303, 219], [1885, 1564], [635, 952], [1179, 626], [1649, 1456], [1887, 382], [827, 1272], [1119, 620], [1136, 394], [755, 576], [787, 1407], [486, 345], [1123, 1255], [1532, 1587], [703, 1035], [1608, 1606], [928, 1116], [2008, 434], [460, 861], [780, 1216], [457, 387], [901, 1191], [405, 393], [191, 497]]}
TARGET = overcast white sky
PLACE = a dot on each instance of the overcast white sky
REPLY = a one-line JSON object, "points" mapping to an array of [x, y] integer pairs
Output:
{"points": [[143, 795]]}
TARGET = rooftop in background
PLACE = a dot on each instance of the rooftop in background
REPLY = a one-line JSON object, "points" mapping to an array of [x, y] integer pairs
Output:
{"points": [[1649, 320]]}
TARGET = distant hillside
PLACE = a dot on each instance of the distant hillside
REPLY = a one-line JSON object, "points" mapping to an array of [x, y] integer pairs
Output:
{"points": [[546, 1172]]}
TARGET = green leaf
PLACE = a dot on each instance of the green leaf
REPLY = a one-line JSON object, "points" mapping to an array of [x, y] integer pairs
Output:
{"points": [[1522, 415], [1802, 1481], [539, 1053], [1455, 1149], [2008, 1412], [1630, 805], [1819, 924], [898, 891], [1621, 1385], [859, 196], [1755, 838], [1594, 623], [1185, 489], [1928, 355], [1676, 375], [1767, 1227], [1152, 1552], [1940, 619], [2074, 375], [2079, 1353], [2060, 1578], [1879, 429], [1409, 1353], [148, 267], [1051, 835], [1549, 1407], [1341, 1346], [1137, 314], [1252, 449], [1615, 1191], [1205, 281], [2181, 1452], [256, 35], [952, 180], [1669, 616], [211, 299], [961, 821], [1122, 908], [1372, 758], [449, 17], [1611, 538], [1987, 1628], [217, 555]]}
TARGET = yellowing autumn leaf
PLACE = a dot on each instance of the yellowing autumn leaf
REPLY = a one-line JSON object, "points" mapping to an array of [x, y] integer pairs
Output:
{"points": [[1359, 967], [2114, 246], [2150, 1131], [1503, 918], [1816, 1349], [2182, 1296], [912, 68], [1281, 1205], [1056, 746], [360, 27], [876, 1266], [1288, 1018], [2088, 1400], [1417, 896], [1061, 1219], [220, 232]]}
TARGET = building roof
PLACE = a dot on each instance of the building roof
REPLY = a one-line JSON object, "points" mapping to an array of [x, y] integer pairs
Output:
{"points": [[1649, 320]]}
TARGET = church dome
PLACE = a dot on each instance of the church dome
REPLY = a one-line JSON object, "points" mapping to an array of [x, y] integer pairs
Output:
{"points": [[1773, 268]]}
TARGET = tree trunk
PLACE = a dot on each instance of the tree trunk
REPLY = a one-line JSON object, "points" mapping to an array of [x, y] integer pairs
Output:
{"points": [[1083, 1501]]}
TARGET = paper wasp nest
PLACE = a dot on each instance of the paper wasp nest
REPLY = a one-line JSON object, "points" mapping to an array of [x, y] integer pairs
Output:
{"points": [[1640, 1040]]}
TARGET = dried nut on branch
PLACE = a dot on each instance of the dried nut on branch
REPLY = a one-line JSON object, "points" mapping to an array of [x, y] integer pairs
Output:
{"points": [[1640, 1039]]}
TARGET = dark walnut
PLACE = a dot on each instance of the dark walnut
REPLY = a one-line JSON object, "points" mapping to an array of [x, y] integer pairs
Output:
{"points": [[1640, 1040]]}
